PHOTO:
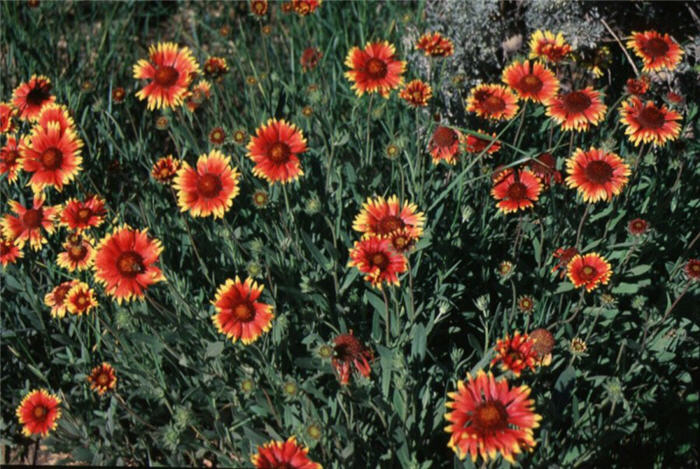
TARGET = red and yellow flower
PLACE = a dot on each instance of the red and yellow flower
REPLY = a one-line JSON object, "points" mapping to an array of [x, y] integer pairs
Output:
{"points": [[545, 45], [29, 222], [80, 299], [76, 255], [577, 110], [475, 145], [56, 298], [80, 215], [239, 316], [274, 149], [7, 113], [208, 189], [55, 113], [9, 251], [517, 190], [199, 93], [646, 123], [348, 350], [374, 69], [52, 155], [444, 145], [102, 378], [11, 158], [288, 454], [217, 136], [531, 81], [637, 227], [215, 67], [258, 7], [402, 240], [165, 169], [637, 86], [416, 93], [305, 7], [381, 217], [588, 270], [38, 413], [124, 263], [656, 50], [692, 269], [515, 353], [377, 259], [29, 97], [310, 58], [490, 417], [596, 174], [435, 45], [492, 102], [170, 70]]}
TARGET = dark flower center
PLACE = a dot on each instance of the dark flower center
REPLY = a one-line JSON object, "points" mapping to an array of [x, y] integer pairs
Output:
{"points": [[130, 264], [638, 225], [279, 152], [209, 185], [493, 104], [655, 47], [39, 94], [530, 84], [651, 118], [390, 223], [244, 312], [517, 191], [444, 137], [51, 158], [77, 252], [5, 247], [84, 214], [11, 156], [376, 68], [40, 412], [103, 379], [400, 242], [695, 268], [347, 347], [588, 272], [380, 260], [61, 293], [491, 416], [166, 76], [599, 172], [32, 218], [576, 101], [82, 301]]}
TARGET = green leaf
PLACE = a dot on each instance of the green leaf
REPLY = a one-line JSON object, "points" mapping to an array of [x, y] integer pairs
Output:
{"points": [[214, 349]]}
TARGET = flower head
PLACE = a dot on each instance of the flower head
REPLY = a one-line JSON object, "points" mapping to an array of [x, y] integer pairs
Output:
{"points": [[81, 215], [381, 217], [518, 190], [38, 413], [102, 378], [239, 315], [125, 263], [515, 353], [310, 57], [7, 113], [545, 168], [208, 189], [489, 417], [577, 110], [435, 45], [589, 271], [305, 7], [275, 149], [374, 69], [656, 50], [80, 299], [596, 174], [29, 97], [170, 70], [76, 255], [165, 169], [30, 223], [647, 122], [377, 259], [9, 251], [416, 93], [476, 145], [692, 269], [11, 158], [531, 81], [545, 45], [543, 341], [349, 351], [52, 154], [564, 255], [215, 67], [56, 298], [283, 454], [637, 227], [444, 145], [637, 86], [492, 102]]}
